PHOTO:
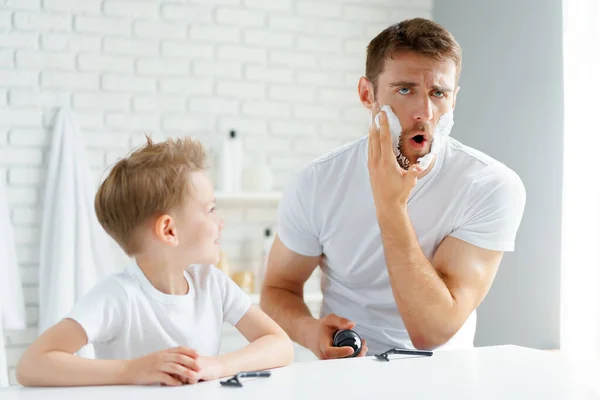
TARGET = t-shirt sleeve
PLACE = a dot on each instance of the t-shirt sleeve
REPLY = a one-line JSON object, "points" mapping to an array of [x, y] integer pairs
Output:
{"points": [[494, 209], [234, 300], [101, 311], [296, 224]]}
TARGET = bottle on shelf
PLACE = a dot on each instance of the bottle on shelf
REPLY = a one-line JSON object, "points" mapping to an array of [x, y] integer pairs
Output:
{"points": [[257, 176], [245, 280], [230, 163]]}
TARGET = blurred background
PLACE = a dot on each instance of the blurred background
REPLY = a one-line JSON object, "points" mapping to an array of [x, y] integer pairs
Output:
{"points": [[282, 75]]}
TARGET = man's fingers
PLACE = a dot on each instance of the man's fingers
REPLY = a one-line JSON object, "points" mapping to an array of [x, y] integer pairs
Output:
{"points": [[415, 170], [337, 352], [385, 138], [374, 146], [364, 349], [339, 322]]}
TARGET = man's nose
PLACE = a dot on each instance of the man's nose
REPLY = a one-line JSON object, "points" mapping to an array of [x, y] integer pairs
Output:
{"points": [[423, 111]]}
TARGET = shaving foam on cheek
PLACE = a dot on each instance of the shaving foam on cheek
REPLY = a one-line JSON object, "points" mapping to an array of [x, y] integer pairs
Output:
{"points": [[442, 131]]}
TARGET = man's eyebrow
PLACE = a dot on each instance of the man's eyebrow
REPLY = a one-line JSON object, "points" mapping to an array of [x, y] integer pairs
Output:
{"points": [[403, 84], [408, 84], [442, 88]]}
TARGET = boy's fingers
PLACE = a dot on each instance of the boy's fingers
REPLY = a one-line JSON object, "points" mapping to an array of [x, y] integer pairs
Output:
{"points": [[168, 380], [183, 360], [185, 350]]}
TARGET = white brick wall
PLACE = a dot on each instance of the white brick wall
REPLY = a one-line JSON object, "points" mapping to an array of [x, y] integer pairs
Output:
{"points": [[283, 73]]}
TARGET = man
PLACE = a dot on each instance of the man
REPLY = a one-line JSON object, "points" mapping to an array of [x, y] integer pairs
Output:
{"points": [[407, 251]]}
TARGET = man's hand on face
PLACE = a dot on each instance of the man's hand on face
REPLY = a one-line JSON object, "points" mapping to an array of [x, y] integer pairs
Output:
{"points": [[391, 185]]}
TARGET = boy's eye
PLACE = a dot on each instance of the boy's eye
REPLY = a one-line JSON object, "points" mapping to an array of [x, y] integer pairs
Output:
{"points": [[439, 93], [404, 90]]}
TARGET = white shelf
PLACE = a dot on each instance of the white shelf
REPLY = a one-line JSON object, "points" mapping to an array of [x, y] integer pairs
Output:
{"points": [[247, 197], [315, 297]]}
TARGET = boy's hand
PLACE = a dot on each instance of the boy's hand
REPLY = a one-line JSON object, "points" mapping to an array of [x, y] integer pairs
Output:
{"points": [[209, 368], [171, 367]]}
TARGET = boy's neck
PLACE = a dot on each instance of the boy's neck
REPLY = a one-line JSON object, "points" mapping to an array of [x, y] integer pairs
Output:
{"points": [[163, 275]]}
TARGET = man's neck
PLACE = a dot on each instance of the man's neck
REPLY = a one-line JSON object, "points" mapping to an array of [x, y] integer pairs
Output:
{"points": [[165, 276]]}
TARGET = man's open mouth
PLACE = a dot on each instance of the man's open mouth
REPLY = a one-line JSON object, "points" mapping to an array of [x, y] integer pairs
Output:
{"points": [[419, 139]]}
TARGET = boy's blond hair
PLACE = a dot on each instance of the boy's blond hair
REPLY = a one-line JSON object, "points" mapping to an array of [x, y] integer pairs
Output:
{"points": [[151, 181]]}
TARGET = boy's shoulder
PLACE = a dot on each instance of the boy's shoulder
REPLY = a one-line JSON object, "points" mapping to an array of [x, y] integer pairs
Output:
{"points": [[210, 280], [118, 285], [205, 275]]}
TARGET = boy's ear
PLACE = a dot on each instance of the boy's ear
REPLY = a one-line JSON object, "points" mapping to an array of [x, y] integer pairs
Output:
{"points": [[164, 229]]}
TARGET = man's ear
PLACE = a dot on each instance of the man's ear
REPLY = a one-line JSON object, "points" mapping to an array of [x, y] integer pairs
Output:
{"points": [[366, 92], [164, 229], [454, 99]]}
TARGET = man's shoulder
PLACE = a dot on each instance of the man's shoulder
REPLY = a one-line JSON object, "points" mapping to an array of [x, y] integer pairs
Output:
{"points": [[335, 161], [341, 153], [460, 153], [482, 170]]}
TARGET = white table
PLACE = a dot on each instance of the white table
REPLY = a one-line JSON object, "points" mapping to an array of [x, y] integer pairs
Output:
{"points": [[503, 372]]}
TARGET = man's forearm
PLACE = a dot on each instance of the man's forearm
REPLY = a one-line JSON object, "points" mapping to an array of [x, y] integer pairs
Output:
{"points": [[289, 310], [425, 303]]}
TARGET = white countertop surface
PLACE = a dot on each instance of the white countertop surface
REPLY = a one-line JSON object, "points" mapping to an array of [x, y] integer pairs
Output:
{"points": [[501, 372]]}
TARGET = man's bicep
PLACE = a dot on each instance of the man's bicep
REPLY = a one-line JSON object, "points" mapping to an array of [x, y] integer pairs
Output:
{"points": [[495, 208], [297, 216], [467, 270], [287, 269]]}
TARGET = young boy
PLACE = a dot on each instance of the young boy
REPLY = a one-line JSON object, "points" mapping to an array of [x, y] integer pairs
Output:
{"points": [[159, 321]]}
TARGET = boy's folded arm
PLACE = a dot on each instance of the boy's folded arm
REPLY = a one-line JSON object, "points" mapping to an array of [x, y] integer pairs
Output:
{"points": [[269, 347], [50, 360]]}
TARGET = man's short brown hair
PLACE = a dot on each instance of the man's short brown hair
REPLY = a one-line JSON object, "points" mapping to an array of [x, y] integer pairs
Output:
{"points": [[419, 35], [152, 180]]}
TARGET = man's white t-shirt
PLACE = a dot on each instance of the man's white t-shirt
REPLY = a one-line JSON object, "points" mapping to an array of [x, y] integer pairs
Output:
{"points": [[329, 210], [126, 317]]}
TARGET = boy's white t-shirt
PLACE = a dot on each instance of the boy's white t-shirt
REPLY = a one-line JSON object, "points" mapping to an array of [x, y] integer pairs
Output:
{"points": [[329, 210], [126, 317]]}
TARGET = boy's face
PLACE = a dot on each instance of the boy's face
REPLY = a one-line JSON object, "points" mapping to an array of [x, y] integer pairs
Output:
{"points": [[198, 226]]}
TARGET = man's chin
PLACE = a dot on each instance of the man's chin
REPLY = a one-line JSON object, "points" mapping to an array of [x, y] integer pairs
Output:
{"points": [[411, 160]]}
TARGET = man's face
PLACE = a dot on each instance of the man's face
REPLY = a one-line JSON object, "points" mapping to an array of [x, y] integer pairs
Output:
{"points": [[419, 90]]}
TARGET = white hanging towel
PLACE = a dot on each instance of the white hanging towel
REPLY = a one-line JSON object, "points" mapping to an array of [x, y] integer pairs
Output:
{"points": [[74, 249], [12, 302]]}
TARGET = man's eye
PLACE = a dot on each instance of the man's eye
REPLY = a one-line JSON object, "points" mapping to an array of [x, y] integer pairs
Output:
{"points": [[439, 93], [404, 90]]}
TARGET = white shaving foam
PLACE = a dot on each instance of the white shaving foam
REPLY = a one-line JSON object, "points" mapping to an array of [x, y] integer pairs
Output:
{"points": [[442, 131]]}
